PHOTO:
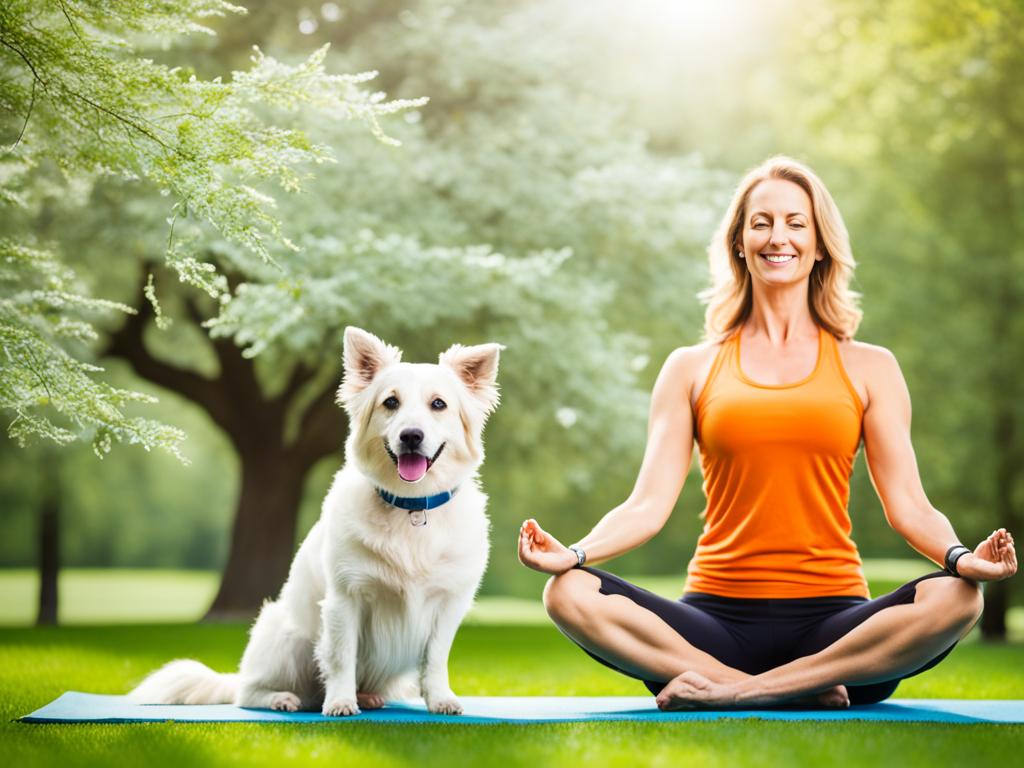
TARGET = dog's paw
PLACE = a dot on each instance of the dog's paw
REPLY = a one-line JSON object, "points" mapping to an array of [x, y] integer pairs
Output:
{"points": [[285, 701], [369, 700], [340, 707], [448, 705]]}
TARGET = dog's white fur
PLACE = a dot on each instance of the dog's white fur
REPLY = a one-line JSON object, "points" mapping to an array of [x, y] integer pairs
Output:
{"points": [[372, 603]]}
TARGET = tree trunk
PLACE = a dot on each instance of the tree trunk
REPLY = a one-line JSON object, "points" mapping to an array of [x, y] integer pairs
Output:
{"points": [[273, 471], [273, 478], [993, 620], [1005, 440], [997, 595], [263, 536], [49, 542]]}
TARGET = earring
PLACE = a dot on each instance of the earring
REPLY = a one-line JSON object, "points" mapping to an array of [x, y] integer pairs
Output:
{"points": [[739, 254]]}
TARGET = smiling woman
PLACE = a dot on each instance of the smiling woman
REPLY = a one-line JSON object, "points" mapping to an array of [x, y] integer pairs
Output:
{"points": [[781, 213], [776, 606]]}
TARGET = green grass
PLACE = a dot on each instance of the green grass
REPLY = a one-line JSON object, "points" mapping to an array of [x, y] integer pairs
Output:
{"points": [[36, 665], [506, 647], [110, 596], [126, 596]]}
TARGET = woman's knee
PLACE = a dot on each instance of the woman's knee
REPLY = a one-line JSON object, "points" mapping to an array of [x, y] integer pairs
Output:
{"points": [[959, 600], [974, 601], [563, 594]]}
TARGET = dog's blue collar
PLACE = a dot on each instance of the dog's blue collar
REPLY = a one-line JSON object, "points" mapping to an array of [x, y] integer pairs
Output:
{"points": [[417, 503]]}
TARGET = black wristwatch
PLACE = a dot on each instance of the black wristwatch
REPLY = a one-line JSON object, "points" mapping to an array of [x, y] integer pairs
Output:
{"points": [[953, 554]]}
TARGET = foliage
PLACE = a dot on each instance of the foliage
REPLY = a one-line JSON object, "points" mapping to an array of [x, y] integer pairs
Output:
{"points": [[557, 127], [42, 311], [924, 104], [524, 209], [80, 101]]}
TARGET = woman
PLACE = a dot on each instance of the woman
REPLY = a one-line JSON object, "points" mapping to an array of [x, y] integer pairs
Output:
{"points": [[778, 399]]}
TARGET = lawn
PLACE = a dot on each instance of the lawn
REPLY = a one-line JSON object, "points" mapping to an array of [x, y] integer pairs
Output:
{"points": [[489, 658], [124, 596], [38, 664]]}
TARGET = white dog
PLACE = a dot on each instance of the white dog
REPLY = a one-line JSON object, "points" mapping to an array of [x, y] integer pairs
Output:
{"points": [[384, 578]]}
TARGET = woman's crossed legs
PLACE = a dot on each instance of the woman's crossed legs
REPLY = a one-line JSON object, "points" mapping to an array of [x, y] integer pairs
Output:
{"points": [[713, 651]]}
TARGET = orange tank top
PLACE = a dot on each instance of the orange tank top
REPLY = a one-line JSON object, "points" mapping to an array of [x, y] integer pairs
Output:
{"points": [[776, 461]]}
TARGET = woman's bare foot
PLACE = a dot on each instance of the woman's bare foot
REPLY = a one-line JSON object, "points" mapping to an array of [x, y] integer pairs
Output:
{"points": [[834, 698], [691, 690], [369, 700]]}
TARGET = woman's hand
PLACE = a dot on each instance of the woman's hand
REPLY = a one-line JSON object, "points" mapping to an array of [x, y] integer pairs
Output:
{"points": [[543, 552], [995, 559]]}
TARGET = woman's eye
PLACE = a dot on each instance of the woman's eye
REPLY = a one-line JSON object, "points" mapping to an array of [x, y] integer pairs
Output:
{"points": [[391, 403], [438, 404], [760, 225]]}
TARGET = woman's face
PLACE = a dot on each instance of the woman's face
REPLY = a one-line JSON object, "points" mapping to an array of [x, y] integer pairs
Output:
{"points": [[779, 241]]}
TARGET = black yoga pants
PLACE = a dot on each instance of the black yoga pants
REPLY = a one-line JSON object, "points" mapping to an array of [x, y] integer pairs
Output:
{"points": [[755, 635]]}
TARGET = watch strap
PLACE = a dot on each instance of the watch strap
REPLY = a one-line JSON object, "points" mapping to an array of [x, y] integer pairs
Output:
{"points": [[581, 556], [953, 554]]}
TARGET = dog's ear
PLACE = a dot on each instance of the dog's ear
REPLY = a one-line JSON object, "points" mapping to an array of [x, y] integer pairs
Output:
{"points": [[365, 357], [477, 367]]}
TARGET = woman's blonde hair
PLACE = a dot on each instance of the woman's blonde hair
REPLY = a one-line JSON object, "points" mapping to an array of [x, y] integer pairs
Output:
{"points": [[730, 298]]}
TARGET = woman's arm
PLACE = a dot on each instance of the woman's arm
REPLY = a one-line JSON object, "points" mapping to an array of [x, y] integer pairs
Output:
{"points": [[894, 472], [658, 484]]}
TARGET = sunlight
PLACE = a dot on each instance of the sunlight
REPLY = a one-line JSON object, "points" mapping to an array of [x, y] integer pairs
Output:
{"points": [[701, 21], [692, 17]]}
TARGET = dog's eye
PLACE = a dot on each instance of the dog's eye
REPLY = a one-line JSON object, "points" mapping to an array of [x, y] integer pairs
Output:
{"points": [[438, 404], [391, 403]]}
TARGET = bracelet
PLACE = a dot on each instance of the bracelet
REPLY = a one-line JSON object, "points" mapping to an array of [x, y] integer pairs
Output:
{"points": [[581, 556], [953, 554]]}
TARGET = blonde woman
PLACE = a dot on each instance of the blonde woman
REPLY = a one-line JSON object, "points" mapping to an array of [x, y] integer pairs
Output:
{"points": [[778, 399]]}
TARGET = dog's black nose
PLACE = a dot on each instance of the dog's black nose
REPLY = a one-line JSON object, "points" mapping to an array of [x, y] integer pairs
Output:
{"points": [[411, 438]]}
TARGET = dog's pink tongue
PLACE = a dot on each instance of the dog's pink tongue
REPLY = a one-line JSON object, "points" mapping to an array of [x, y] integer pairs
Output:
{"points": [[412, 466]]}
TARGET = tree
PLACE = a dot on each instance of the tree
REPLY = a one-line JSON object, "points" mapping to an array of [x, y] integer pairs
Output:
{"points": [[929, 100], [528, 213], [79, 102]]}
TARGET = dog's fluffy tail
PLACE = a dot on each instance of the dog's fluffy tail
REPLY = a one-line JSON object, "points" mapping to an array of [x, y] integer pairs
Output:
{"points": [[185, 681]]}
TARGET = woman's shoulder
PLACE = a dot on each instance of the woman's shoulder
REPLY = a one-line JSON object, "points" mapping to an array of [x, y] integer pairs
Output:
{"points": [[690, 366], [865, 354], [693, 358], [694, 352], [870, 367]]}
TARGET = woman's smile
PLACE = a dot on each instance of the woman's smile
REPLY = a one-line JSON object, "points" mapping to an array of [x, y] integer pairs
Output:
{"points": [[779, 232], [778, 258]]}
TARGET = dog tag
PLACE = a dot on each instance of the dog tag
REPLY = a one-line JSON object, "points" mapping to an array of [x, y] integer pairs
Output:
{"points": [[418, 517]]}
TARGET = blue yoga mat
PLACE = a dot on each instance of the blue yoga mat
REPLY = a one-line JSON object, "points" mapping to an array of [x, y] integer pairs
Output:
{"points": [[74, 707]]}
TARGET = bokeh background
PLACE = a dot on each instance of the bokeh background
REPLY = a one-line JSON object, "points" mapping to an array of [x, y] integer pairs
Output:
{"points": [[556, 194]]}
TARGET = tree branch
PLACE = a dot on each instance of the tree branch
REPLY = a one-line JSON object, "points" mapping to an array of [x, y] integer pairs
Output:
{"points": [[74, 27], [126, 121], [323, 429], [127, 343], [122, 118], [236, 372], [28, 114]]}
